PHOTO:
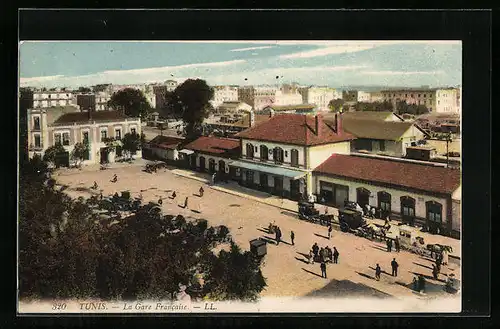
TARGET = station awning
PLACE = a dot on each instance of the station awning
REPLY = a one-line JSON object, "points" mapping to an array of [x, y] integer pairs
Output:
{"points": [[293, 174], [186, 151]]}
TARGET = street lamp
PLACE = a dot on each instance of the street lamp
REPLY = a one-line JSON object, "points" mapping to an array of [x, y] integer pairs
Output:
{"points": [[448, 140]]}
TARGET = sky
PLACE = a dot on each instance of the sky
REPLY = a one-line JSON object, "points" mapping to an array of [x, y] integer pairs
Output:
{"points": [[325, 63]]}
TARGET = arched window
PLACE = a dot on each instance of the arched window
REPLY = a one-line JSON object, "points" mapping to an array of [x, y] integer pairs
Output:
{"points": [[434, 211], [264, 153], [250, 150], [407, 207], [278, 155], [295, 157], [384, 201]]}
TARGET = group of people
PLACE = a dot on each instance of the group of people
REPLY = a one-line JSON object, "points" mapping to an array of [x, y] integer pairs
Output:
{"points": [[397, 244], [323, 255], [394, 267]]}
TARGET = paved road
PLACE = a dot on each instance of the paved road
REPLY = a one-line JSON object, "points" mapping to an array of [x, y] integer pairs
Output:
{"points": [[286, 272]]}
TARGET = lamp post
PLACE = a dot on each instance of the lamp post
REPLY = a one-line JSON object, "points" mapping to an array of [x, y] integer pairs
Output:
{"points": [[448, 140]]}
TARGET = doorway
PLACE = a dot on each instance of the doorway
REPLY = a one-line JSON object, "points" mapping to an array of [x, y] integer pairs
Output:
{"points": [[202, 164], [278, 185], [363, 196]]}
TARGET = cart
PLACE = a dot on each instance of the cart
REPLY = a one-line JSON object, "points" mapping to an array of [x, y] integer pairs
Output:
{"points": [[350, 220], [258, 247]]}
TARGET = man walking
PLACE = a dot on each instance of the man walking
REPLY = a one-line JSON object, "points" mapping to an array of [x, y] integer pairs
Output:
{"points": [[323, 269], [292, 237], [201, 191], [394, 266], [378, 270], [174, 195], [278, 236], [396, 244], [335, 255], [389, 245], [315, 250], [329, 231], [435, 272], [186, 202]]}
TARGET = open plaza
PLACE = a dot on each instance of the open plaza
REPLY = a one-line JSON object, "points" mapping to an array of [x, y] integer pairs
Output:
{"points": [[247, 213]]}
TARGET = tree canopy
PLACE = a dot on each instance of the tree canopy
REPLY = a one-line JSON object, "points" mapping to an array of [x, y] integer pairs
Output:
{"points": [[403, 107], [190, 101], [50, 153], [375, 106], [336, 105], [131, 143], [68, 249], [84, 90], [131, 101]]}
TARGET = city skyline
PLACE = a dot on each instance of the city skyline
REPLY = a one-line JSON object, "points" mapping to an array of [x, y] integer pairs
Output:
{"points": [[332, 63]]}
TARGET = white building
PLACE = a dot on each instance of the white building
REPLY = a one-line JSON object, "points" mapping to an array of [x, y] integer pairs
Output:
{"points": [[101, 101], [364, 97], [224, 94], [283, 98], [68, 126], [53, 98], [278, 155], [437, 100], [320, 96]]}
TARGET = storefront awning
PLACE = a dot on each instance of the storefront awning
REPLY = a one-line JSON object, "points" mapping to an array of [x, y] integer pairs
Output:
{"points": [[293, 174], [186, 151]]}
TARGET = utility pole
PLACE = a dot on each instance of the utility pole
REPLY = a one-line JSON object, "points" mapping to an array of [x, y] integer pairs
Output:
{"points": [[448, 140]]}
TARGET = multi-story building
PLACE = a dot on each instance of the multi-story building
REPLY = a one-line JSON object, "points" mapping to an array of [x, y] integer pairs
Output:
{"points": [[282, 98], [278, 155], [224, 94], [52, 98], [261, 96], [376, 96], [101, 101], [68, 126], [437, 100], [356, 96], [271, 110], [320, 96], [86, 102]]}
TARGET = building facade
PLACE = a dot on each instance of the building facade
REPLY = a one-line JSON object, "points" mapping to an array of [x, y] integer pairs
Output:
{"points": [[437, 100], [278, 155], [415, 194], [224, 94], [53, 98], [46, 130], [320, 96], [101, 101]]}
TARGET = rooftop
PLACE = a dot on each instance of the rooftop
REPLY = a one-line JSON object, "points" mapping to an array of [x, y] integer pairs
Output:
{"points": [[375, 129], [406, 175], [244, 121], [215, 145], [82, 117], [166, 142], [296, 129], [372, 115], [297, 107]]}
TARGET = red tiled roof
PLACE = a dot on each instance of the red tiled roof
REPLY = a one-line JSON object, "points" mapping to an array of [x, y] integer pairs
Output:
{"points": [[403, 174], [295, 129], [215, 145], [166, 142]]}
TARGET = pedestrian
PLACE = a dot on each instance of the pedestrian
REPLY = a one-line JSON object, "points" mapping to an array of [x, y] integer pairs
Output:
{"points": [[278, 236], [160, 201], [213, 178], [201, 191], [394, 266], [95, 185], [396, 244], [329, 231], [323, 269], [387, 243], [390, 245], [421, 283], [292, 237], [322, 254], [415, 284], [174, 195], [115, 178], [378, 270], [435, 272], [438, 265], [311, 257], [335, 255], [186, 202], [315, 249]]}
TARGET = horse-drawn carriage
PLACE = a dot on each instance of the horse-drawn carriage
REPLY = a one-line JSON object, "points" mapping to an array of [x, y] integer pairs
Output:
{"points": [[311, 214], [153, 167]]}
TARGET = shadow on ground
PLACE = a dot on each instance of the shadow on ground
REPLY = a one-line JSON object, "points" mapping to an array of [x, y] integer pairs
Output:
{"points": [[347, 288]]}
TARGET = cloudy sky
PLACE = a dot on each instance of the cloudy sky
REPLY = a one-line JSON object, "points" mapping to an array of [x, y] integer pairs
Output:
{"points": [[333, 63]]}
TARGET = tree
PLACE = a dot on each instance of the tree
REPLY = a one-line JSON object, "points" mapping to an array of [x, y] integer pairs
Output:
{"points": [[335, 105], [79, 153], [84, 90], [131, 143], [190, 101], [50, 153], [66, 250], [131, 101], [414, 109], [100, 87]]}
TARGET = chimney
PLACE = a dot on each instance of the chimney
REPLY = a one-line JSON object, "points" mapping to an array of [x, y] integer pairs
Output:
{"points": [[338, 123], [252, 119], [319, 123]]}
